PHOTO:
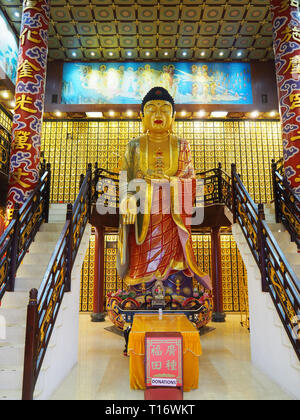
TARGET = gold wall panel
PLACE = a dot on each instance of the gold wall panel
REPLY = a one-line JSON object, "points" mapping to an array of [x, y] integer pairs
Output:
{"points": [[70, 145], [235, 297]]}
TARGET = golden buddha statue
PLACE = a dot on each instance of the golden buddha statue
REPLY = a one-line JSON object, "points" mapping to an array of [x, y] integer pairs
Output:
{"points": [[155, 237]]}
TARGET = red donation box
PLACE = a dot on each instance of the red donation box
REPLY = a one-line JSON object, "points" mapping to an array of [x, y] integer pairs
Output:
{"points": [[163, 365]]}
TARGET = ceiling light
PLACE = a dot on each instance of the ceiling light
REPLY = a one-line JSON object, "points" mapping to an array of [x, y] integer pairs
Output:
{"points": [[92, 54], [58, 113], [201, 113], [17, 14], [111, 113], [184, 53], [239, 53], [129, 113], [74, 54], [203, 53], [166, 53], [183, 113], [254, 114], [5, 94], [221, 53], [129, 53], [111, 53], [219, 114], [147, 53], [94, 114], [272, 113], [12, 104]]}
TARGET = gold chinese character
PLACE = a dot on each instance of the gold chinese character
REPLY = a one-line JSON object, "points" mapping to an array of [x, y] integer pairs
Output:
{"points": [[171, 364], [156, 351], [289, 33], [295, 100], [31, 4], [294, 63], [21, 103], [20, 142], [30, 36], [295, 138], [26, 69], [286, 4], [156, 365], [16, 177]]}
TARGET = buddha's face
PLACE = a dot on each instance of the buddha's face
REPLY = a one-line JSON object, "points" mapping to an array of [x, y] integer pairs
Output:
{"points": [[158, 117]]}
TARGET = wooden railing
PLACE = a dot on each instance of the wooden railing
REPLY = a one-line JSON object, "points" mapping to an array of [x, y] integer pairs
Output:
{"points": [[5, 141], [25, 223], [44, 304], [278, 277], [287, 203]]}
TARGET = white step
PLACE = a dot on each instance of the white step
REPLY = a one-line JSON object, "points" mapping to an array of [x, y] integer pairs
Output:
{"points": [[47, 236], [58, 207], [15, 334], [40, 258], [11, 355], [33, 270], [52, 227], [10, 395], [11, 378], [13, 316], [38, 247], [15, 300], [24, 284]]}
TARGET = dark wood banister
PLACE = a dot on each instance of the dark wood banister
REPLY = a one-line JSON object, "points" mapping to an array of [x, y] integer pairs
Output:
{"points": [[44, 305], [21, 232]]}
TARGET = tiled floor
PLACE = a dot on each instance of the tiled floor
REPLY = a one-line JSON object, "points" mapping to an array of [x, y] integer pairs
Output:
{"points": [[226, 372]]}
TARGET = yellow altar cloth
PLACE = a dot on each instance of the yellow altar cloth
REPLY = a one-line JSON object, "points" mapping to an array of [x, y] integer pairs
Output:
{"points": [[169, 323]]}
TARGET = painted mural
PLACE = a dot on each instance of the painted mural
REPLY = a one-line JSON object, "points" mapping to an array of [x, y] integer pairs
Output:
{"points": [[8, 50], [127, 83]]}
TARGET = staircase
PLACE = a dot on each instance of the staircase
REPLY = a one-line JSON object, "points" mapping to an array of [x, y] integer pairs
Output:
{"points": [[271, 349], [14, 305]]}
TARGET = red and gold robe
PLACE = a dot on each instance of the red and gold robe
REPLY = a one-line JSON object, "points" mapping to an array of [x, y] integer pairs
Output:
{"points": [[160, 242]]}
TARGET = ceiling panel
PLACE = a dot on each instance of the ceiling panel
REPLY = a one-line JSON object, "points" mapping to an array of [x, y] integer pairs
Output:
{"points": [[155, 30]]}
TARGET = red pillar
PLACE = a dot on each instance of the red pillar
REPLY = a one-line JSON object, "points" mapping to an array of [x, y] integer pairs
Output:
{"points": [[29, 102], [216, 271], [286, 41], [98, 309]]}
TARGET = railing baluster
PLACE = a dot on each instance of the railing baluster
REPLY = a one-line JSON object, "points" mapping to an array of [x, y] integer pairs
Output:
{"points": [[29, 379], [275, 191], [15, 251], [261, 248], [69, 255], [47, 194], [233, 189]]}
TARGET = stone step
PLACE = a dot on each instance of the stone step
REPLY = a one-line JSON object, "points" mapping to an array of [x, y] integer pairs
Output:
{"points": [[276, 227], [52, 227], [11, 355], [11, 378], [25, 284], [48, 247], [33, 270], [40, 258], [15, 335], [47, 237], [15, 300], [10, 395], [54, 207], [13, 316]]}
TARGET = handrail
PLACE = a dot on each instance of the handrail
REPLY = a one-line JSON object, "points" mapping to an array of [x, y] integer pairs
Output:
{"points": [[44, 304], [5, 142], [20, 233], [278, 277], [287, 203]]}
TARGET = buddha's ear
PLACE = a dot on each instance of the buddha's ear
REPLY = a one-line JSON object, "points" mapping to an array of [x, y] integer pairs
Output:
{"points": [[143, 125]]}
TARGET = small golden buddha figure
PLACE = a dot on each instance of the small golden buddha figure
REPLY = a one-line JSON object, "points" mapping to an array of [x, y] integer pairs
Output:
{"points": [[155, 244]]}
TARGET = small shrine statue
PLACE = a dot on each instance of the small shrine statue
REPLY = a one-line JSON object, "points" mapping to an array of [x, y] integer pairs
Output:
{"points": [[158, 295], [156, 199]]}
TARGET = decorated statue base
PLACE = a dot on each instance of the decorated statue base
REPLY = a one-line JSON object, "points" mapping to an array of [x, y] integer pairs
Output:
{"points": [[178, 292]]}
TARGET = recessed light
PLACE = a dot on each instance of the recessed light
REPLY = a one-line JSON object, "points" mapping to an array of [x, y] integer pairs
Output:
{"points": [[219, 114], [183, 113], [58, 113], [184, 53], [17, 14], [111, 53], [239, 53], [92, 54], [272, 113], [203, 53], [147, 53], [94, 114], [254, 114], [5, 94], [74, 54], [221, 53], [166, 53], [111, 113], [129, 113], [201, 113], [129, 53]]}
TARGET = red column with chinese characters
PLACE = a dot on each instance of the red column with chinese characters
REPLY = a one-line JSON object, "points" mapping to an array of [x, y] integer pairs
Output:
{"points": [[29, 102], [286, 40]]}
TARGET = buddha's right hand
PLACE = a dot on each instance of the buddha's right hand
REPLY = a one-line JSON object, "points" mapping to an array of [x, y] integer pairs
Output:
{"points": [[128, 210]]}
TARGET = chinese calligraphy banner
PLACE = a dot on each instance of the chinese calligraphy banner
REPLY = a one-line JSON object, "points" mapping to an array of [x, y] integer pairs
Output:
{"points": [[164, 359], [127, 83], [29, 101], [286, 35]]}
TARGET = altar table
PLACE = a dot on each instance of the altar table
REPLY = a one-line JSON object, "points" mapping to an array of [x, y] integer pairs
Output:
{"points": [[169, 323]]}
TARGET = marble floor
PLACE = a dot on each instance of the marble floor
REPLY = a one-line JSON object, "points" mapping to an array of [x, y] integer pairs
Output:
{"points": [[226, 372]]}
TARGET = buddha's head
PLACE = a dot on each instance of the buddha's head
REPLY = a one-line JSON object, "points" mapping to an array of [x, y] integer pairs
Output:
{"points": [[158, 111]]}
